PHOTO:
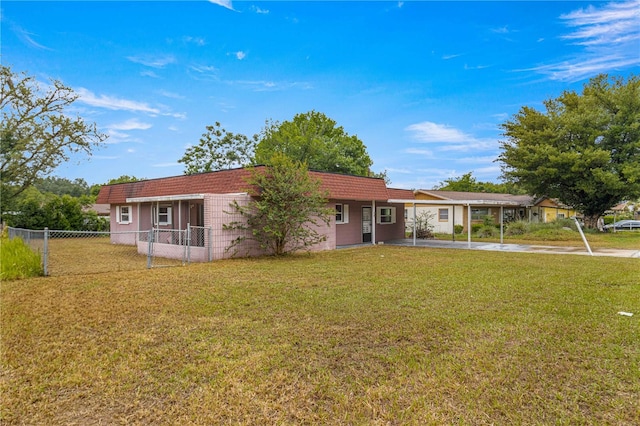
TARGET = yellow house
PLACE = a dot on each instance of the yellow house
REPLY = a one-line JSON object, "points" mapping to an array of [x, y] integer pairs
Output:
{"points": [[547, 209]]}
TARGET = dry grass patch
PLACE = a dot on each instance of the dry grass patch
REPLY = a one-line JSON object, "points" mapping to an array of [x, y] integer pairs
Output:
{"points": [[379, 335]]}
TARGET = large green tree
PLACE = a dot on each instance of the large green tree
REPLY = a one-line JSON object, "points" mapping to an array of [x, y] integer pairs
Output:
{"points": [[467, 183], [317, 140], [218, 149], [289, 207], [584, 149], [38, 131]]}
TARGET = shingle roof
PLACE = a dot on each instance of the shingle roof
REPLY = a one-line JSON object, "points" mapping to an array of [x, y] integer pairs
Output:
{"points": [[340, 187], [479, 196], [401, 194]]}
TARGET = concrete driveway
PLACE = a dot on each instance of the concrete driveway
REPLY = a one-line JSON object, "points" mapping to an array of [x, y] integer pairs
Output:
{"points": [[515, 247]]}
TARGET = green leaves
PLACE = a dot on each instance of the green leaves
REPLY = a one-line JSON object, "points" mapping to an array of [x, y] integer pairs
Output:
{"points": [[315, 139], [218, 150], [288, 209], [584, 150], [37, 134]]}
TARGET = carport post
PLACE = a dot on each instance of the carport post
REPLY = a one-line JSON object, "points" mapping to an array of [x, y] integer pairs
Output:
{"points": [[501, 224], [414, 223], [468, 225]]}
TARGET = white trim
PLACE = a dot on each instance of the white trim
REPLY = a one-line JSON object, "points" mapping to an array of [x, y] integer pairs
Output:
{"points": [[344, 213], [391, 215], [119, 213], [166, 198]]}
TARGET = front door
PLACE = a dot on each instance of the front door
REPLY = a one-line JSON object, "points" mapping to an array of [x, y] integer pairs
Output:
{"points": [[367, 224]]}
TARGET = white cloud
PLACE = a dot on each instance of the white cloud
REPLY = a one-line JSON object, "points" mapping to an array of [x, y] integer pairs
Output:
{"points": [[609, 36], [25, 36], [199, 41], [428, 131], [113, 103], [422, 152], [223, 3], [131, 124], [259, 11], [241, 55], [153, 62]]}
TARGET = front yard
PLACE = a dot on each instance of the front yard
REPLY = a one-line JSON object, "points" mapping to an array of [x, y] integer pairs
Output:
{"points": [[375, 335]]}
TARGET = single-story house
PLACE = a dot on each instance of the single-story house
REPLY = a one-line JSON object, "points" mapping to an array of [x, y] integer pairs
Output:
{"points": [[449, 208], [362, 211], [545, 209]]}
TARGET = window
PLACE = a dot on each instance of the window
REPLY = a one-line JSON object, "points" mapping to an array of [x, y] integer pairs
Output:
{"points": [[560, 215], [161, 215], [386, 215], [123, 215], [479, 214], [342, 213], [443, 215]]}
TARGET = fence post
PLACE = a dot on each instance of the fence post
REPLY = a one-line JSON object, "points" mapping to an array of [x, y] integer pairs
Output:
{"points": [[188, 243], [209, 244], [45, 253], [149, 248]]}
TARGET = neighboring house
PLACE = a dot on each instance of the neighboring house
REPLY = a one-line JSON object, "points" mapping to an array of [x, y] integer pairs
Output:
{"points": [[102, 210], [362, 211], [547, 209], [450, 208]]}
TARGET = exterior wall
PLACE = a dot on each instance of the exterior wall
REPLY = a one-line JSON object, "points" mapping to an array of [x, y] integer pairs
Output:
{"points": [[351, 233], [444, 227], [390, 231], [122, 233], [218, 212]]}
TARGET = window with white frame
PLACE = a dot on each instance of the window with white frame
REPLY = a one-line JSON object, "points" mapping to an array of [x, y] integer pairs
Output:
{"points": [[123, 215], [443, 215], [386, 215], [342, 213], [162, 215]]}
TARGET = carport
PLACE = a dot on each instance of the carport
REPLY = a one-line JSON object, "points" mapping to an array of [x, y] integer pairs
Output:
{"points": [[464, 203]]}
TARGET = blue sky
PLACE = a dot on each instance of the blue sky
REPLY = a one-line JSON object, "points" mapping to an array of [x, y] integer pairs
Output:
{"points": [[423, 84]]}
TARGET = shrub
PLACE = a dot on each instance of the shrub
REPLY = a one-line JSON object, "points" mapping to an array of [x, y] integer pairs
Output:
{"points": [[17, 260], [487, 231], [458, 229], [517, 228]]}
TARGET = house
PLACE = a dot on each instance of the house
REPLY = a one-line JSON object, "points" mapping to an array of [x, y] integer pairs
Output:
{"points": [[446, 209], [545, 209], [202, 202]]}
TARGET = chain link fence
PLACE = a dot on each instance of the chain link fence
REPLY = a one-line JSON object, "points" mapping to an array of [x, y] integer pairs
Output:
{"points": [[87, 252]]}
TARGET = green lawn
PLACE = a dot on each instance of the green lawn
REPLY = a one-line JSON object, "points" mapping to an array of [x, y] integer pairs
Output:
{"points": [[376, 335]]}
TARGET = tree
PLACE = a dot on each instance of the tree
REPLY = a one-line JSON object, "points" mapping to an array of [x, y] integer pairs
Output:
{"points": [[37, 132], [467, 183], [218, 149], [584, 150], [288, 207], [95, 189], [315, 139], [61, 186]]}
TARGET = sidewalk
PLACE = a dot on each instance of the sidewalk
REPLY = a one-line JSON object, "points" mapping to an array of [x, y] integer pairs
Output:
{"points": [[515, 247]]}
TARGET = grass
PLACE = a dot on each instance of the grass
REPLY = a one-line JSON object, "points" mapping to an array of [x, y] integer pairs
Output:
{"points": [[17, 260], [376, 335]]}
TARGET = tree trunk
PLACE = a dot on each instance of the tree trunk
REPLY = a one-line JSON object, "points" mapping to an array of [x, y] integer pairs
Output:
{"points": [[591, 221]]}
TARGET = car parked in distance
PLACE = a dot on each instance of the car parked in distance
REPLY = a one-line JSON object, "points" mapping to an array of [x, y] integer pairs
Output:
{"points": [[623, 225]]}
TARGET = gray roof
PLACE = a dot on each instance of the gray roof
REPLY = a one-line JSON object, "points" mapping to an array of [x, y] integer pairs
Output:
{"points": [[525, 200]]}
